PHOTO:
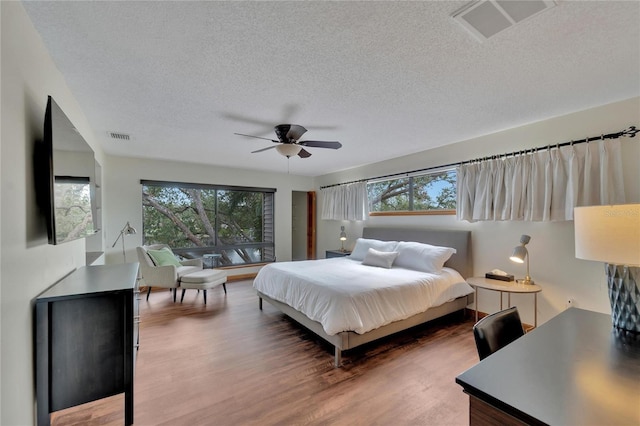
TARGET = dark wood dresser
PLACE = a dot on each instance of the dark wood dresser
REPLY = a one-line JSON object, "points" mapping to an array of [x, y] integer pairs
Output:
{"points": [[86, 338]]}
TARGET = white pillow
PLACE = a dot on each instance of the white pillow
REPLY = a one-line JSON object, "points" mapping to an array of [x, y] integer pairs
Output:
{"points": [[364, 244], [422, 257], [383, 259]]}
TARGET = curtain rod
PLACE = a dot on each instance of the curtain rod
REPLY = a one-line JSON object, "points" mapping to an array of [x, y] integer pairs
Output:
{"points": [[630, 132]]}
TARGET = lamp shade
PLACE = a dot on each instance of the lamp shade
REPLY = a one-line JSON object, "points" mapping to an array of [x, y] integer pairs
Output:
{"points": [[519, 254], [609, 234], [129, 230], [288, 149], [126, 230]]}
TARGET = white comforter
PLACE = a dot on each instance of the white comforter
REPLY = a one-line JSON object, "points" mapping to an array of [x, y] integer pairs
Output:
{"points": [[345, 295]]}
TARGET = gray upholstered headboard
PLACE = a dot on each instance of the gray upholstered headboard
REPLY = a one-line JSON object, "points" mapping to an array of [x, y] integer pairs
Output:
{"points": [[461, 261]]}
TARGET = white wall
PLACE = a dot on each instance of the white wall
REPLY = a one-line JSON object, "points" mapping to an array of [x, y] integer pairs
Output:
{"points": [[28, 264], [123, 197], [553, 264]]}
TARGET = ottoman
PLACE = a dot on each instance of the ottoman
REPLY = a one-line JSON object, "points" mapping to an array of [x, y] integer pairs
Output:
{"points": [[203, 280]]}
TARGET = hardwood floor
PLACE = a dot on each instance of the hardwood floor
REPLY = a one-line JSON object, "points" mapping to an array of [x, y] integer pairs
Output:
{"points": [[228, 363]]}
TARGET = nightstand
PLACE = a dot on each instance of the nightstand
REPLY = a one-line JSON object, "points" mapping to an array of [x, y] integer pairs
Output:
{"points": [[506, 287], [336, 253]]}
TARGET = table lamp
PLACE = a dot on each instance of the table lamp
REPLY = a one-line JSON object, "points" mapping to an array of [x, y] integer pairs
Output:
{"points": [[127, 230], [343, 238], [520, 253], [611, 234]]}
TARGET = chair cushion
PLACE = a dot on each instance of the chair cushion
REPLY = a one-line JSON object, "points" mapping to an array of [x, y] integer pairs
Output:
{"points": [[203, 276], [163, 257], [186, 270], [203, 279]]}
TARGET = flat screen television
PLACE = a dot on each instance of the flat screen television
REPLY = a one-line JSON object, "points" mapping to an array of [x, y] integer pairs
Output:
{"points": [[66, 176]]}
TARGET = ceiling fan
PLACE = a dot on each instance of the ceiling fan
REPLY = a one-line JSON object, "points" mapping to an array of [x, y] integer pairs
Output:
{"points": [[289, 143]]}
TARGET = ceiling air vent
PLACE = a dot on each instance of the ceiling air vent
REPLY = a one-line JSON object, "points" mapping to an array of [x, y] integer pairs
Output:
{"points": [[486, 18], [119, 136]]}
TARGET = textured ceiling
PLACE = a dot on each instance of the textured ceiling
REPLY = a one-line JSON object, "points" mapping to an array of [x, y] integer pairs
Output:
{"points": [[384, 78]]}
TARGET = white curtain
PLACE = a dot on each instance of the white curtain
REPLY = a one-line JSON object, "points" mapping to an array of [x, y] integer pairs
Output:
{"points": [[345, 202], [541, 186]]}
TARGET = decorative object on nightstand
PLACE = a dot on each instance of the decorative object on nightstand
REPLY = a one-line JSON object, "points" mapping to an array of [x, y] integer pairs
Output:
{"points": [[343, 238], [611, 234], [127, 230], [520, 253], [497, 274]]}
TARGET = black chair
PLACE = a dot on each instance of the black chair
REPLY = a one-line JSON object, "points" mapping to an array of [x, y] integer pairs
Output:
{"points": [[496, 331]]}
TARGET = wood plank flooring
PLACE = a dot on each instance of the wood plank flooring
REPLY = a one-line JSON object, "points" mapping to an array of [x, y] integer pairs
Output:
{"points": [[228, 363]]}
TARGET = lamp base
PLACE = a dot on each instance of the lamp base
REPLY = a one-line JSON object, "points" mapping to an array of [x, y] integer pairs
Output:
{"points": [[525, 281], [624, 296]]}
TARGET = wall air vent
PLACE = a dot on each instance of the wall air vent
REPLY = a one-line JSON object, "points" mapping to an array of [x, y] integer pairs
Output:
{"points": [[486, 18], [119, 136]]}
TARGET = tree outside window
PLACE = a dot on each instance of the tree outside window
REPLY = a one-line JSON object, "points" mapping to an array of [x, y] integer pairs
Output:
{"points": [[432, 192], [233, 222], [73, 208]]}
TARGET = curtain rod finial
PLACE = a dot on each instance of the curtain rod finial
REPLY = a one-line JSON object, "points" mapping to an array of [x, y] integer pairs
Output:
{"points": [[631, 131]]}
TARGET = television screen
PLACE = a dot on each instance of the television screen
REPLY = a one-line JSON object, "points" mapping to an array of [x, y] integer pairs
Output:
{"points": [[70, 178]]}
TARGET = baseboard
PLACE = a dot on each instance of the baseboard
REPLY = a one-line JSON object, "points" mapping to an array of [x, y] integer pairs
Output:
{"points": [[242, 277]]}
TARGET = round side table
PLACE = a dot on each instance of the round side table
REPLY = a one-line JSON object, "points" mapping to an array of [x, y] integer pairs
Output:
{"points": [[506, 287]]}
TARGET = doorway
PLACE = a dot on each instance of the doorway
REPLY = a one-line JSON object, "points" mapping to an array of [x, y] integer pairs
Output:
{"points": [[303, 225]]}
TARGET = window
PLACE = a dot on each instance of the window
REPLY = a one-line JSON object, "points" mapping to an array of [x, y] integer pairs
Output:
{"points": [[427, 193], [193, 219]]}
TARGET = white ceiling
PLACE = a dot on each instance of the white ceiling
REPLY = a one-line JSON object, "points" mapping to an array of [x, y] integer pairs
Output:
{"points": [[384, 78]]}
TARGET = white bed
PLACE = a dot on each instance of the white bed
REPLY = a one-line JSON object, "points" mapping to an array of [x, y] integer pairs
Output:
{"points": [[349, 303]]}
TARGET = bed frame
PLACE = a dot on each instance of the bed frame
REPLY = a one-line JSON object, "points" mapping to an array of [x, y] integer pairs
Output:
{"points": [[461, 261]]}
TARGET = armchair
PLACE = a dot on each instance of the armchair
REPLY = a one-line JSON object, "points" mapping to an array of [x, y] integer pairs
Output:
{"points": [[167, 276]]}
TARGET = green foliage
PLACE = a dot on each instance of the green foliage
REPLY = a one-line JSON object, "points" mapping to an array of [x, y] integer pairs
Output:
{"points": [[390, 195], [436, 191], [73, 211], [186, 218], [240, 228]]}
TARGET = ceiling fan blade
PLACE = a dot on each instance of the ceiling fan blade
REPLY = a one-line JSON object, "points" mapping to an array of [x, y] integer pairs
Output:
{"points": [[263, 149], [304, 153], [321, 144], [257, 137]]}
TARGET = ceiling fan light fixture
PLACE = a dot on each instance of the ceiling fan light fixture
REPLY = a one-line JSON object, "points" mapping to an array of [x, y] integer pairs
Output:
{"points": [[289, 149]]}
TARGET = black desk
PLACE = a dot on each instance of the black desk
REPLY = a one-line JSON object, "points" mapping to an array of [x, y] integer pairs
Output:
{"points": [[85, 335], [572, 370]]}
